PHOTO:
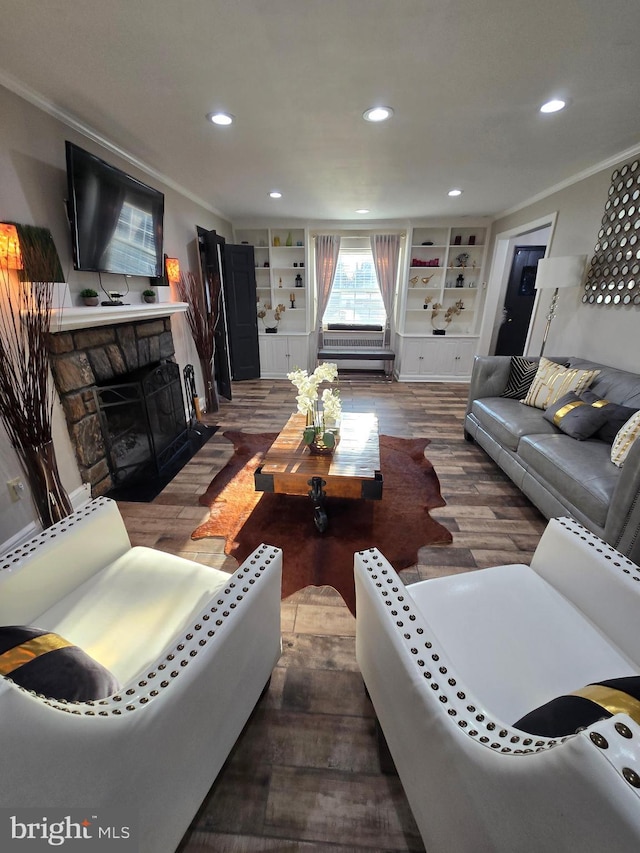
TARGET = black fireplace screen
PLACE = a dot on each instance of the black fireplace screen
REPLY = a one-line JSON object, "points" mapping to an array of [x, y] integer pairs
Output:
{"points": [[143, 422]]}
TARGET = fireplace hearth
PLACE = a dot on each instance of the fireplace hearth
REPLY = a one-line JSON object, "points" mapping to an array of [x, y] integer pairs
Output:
{"points": [[143, 422], [121, 393]]}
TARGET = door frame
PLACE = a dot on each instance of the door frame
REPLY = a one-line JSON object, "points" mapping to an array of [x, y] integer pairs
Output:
{"points": [[499, 276]]}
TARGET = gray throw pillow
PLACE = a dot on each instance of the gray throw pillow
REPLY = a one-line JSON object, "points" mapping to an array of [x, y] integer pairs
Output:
{"points": [[575, 417], [617, 416]]}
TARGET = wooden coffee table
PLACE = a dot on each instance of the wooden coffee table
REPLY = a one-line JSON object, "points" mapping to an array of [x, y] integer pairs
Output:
{"points": [[351, 471]]}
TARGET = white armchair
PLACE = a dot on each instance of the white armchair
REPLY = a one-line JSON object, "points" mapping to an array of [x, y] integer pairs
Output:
{"points": [[192, 648], [451, 663]]}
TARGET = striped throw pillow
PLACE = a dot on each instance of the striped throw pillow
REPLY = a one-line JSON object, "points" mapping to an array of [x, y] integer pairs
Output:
{"points": [[624, 439], [521, 374], [553, 381]]}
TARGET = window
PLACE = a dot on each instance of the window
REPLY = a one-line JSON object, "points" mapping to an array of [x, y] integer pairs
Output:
{"points": [[355, 296]]}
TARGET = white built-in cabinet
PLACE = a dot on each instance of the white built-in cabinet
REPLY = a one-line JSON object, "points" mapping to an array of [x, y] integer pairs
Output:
{"points": [[281, 279], [444, 272], [281, 353], [438, 358], [444, 265]]}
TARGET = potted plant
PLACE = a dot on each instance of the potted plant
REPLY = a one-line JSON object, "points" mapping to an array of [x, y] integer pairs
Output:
{"points": [[149, 295], [89, 296]]}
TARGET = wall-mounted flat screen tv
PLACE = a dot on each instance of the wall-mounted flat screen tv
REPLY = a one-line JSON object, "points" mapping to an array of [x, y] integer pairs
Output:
{"points": [[116, 220]]}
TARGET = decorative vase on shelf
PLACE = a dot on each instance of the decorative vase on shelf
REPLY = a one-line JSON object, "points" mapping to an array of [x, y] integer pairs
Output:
{"points": [[289, 241], [276, 240]]}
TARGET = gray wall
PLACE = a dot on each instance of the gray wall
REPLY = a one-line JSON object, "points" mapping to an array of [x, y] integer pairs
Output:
{"points": [[608, 334], [32, 165]]}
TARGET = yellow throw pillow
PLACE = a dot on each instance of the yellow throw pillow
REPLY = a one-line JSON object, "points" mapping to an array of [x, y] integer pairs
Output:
{"points": [[624, 439], [553, 381]]}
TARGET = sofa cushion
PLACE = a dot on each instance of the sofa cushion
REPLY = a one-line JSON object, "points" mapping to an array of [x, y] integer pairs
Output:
{"points": [[579, 471], [580, 708], [616, 415], [51, 666], [553, 380], [574, 416], [508, 420], [127, 615], [628, 434], [521, 374]]}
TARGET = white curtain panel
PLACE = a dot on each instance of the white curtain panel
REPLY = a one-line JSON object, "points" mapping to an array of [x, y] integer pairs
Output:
{"points": [[385, 249], [327, 250]]}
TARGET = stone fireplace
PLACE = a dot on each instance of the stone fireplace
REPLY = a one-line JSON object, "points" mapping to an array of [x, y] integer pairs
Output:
{"points": [[86, 359]]}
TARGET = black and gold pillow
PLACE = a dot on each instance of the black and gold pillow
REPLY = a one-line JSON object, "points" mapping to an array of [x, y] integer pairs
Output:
{"points": [[574, 416], [521, 374], [52, 666], [617, 416], [564, 715]]}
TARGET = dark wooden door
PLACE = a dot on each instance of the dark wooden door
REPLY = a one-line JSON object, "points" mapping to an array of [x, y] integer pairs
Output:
{"points": [[209, 249], [519, 299], [239, 286]]}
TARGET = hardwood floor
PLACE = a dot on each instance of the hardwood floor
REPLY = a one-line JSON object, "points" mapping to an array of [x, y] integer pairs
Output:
{"points": [[304, 775]]}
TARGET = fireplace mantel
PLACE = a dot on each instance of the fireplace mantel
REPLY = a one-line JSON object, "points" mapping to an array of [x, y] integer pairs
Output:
{"points": [[67, 319]]}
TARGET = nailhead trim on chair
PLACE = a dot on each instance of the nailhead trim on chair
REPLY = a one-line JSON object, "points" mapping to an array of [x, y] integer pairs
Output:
{"points": [[481, 728], [190, 645]]}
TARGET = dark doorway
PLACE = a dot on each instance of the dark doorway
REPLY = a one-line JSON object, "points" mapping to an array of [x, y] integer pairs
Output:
{"points": [[210, 266], [239, 285], [519, 299]]}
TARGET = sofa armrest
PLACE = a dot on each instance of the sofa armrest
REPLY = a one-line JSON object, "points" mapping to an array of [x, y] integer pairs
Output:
{"points": [[622, 527], [489, 377], [36, 575], [597, 579]]}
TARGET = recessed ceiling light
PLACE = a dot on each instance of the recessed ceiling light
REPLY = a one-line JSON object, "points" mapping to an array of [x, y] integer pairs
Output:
{"points": [[363, 210], [275, 194], [454, 192], [220, 118], [553, 106], [377, 114]]}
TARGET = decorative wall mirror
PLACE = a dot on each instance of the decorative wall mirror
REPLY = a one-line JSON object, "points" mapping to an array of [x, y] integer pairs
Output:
{"points": [[613, 277]]}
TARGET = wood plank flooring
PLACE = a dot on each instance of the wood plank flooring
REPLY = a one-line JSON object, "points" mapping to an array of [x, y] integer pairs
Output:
{"points": [[304, 775]]}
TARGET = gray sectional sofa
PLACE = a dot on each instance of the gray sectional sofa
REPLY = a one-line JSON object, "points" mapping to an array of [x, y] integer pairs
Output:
{"points": [[559, 474]]}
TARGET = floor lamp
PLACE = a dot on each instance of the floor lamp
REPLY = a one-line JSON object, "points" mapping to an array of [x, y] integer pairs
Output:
{"points": [[556, 273]]}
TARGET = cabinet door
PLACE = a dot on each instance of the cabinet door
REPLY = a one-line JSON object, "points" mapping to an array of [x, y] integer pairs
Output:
{"points": [[412, 357], [281, 353], [465, 353], [297, 352]]}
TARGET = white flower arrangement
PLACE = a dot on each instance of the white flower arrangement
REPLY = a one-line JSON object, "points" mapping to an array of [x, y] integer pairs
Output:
{"points": [[320, 420]]}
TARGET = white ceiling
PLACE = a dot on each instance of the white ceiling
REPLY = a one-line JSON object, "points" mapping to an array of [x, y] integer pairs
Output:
{"points": [[465, 78]]}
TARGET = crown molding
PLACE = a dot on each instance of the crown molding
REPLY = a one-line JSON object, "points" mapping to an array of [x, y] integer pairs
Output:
{"points": [[634, 151], [37, 100]]}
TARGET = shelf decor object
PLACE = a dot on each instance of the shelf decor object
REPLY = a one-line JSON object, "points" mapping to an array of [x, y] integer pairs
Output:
{"points": [[557, 273], [29, 267]]}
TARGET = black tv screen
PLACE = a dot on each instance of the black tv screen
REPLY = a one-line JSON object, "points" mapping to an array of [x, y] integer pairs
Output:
{"points": [[116, 220]]}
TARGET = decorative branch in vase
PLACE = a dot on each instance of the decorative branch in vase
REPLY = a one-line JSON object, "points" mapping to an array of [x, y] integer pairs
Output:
{"points": [[202, 316], [27, 394]]}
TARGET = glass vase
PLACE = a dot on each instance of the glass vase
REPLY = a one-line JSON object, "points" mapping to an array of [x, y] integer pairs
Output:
{"points": [[49, 496]]}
